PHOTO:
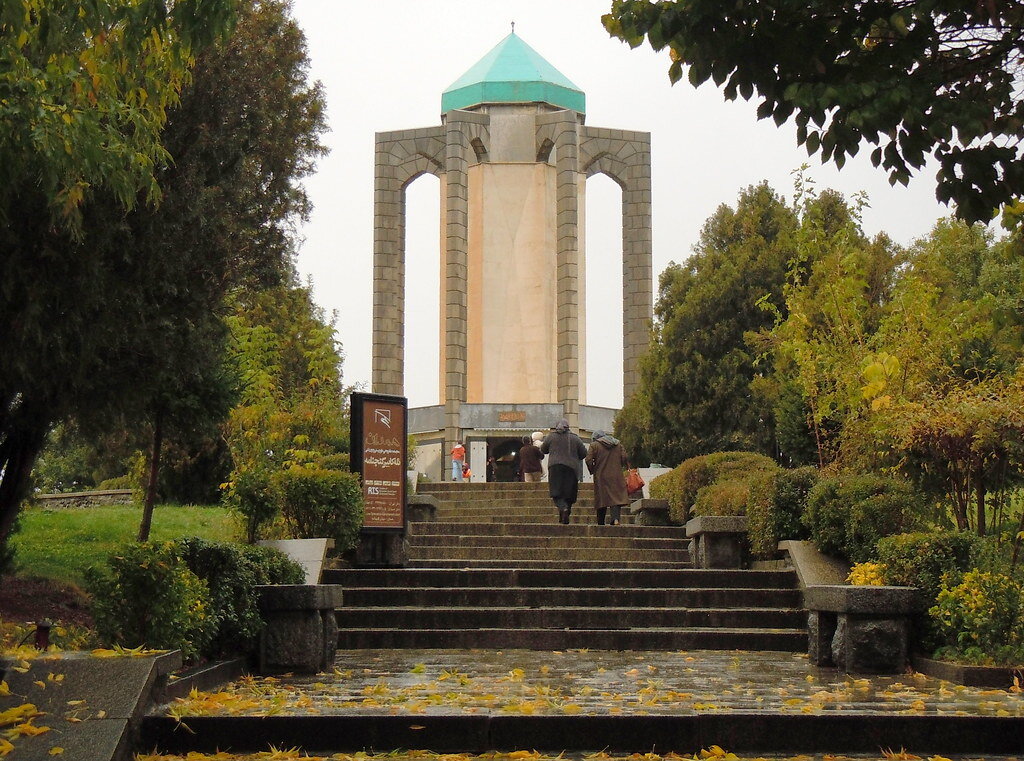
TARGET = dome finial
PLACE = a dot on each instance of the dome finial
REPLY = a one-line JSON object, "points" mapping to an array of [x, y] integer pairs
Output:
{"points": [[513, 27]]}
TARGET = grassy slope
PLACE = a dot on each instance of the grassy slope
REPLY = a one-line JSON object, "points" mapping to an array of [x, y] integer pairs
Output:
{"points": [[61, 544]]}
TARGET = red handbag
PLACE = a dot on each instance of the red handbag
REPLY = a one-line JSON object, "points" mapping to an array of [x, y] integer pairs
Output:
{"points": [[634, 482]]}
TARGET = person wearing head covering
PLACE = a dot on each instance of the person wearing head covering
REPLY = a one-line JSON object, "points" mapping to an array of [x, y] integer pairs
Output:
{"points": [[607, 460], [565, 451], [538, 439], [529, 458]]}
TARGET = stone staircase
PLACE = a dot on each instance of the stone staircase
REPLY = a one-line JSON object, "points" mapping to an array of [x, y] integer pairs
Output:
{"points": [[497, 571]]}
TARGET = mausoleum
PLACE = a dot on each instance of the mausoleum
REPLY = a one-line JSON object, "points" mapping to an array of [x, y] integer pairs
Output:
{"points": [[513, 154]]}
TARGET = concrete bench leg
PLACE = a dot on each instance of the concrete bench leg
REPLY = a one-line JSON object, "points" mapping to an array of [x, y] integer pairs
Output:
{"points": [[301, 631]]}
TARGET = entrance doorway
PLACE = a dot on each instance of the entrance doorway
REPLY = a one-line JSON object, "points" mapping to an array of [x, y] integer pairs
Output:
{"points": [[504, 450]]}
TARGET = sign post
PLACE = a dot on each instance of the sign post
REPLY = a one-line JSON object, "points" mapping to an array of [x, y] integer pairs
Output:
{"points": [[379, 433]]}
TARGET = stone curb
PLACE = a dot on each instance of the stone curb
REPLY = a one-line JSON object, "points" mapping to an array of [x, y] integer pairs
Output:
{"points": [[760, 732], [995, 677]]}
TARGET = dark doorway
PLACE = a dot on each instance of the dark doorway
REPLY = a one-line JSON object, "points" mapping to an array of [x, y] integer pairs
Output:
{"points": [[504, 450]]}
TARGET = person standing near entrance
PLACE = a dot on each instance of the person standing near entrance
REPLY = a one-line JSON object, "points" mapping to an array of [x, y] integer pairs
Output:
{"points": [[565, 451], [607, 460], [530, 468], [458, 460]]}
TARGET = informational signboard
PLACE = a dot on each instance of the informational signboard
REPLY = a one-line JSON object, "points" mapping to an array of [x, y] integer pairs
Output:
{"points": [[379, 441]]}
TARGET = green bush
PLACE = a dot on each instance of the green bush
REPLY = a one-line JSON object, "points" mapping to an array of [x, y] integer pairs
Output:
{"points": [[722, 498], [681, 485], [847, 515], [921, 559], [776, 507], [321, 503], [981, 619], [231, 571], [338, 461], [253, 496], [146, 595]]}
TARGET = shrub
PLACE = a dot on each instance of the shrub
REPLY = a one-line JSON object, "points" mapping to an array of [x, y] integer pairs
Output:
{"points": [[231, 571], [922, 559], [253, 496], [867, 575], [847, 515], [981, 619], [776, 506], [146, 595], [681, 485], [322, 503], [337, 461], [722, 498]]}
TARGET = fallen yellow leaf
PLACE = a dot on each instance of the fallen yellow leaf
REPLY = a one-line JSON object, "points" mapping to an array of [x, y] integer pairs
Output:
{"points": [[56, 750]]}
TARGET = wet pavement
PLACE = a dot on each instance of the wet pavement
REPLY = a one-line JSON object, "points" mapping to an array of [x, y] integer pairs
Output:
{"points": [[591, 683]]}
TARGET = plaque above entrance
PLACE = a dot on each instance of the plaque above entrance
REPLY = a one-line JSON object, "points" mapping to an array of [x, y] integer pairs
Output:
{"points": [[512, 416]]}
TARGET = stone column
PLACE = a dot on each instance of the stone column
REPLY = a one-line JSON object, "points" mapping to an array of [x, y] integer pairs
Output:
{"points": [[388, 270], [456, 257], [567, 257], [637, 269]]}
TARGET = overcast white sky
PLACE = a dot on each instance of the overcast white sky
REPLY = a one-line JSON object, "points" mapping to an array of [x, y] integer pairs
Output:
{"points": [[384, 67]]}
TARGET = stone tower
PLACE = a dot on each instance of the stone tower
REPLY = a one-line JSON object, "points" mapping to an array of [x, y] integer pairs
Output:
{"points": [[512, 155]]}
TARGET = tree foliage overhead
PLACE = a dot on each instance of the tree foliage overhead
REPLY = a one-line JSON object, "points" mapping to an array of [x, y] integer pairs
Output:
{"points": [[913, 77], [694, 396], [116, 309]]}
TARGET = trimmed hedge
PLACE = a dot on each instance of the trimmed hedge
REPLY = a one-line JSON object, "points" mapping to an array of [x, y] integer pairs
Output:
{"points": [[145, 595], [847, 515], [321, 503], [776, 507], [231, 571], [921, 559], [192, 595], [728, 472]]}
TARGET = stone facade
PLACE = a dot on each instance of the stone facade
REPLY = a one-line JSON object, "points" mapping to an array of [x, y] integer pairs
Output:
{"points": [[505, 139]]}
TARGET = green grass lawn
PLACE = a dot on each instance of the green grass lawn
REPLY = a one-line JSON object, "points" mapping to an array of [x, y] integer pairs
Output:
{"points": [[61, 544]]}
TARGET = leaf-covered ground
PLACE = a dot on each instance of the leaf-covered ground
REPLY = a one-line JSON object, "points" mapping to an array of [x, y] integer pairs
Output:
{"points": [[589, 682], [713, 753]]}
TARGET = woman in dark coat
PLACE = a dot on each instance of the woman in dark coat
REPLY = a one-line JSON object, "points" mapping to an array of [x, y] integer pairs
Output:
{"points": [[565, 451], [607, 460]]}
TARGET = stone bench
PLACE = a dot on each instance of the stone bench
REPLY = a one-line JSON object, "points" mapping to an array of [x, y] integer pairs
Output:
{"points": [[860, 629], [421, 508], [718, 540], [300, 632], [650, 512]]}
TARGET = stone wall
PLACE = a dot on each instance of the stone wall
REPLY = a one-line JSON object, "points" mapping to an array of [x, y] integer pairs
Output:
{"points": [[85, 498]]}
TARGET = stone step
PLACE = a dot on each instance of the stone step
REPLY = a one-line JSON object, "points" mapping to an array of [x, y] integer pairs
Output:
{"points": [[515, 553], [693, 578], [576, 617], [751, 733], [565, 565], [509, 503], [552, 597], [589, 542], [532, 529], [547, 518], [445, 488], [791, 640]]}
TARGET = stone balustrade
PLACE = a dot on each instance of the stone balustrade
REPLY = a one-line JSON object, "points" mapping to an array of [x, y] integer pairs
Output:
{"points": [[300, 633], [717, 540], [860, 629]]}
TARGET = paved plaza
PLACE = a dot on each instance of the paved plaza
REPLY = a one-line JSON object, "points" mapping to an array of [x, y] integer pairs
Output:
{"points": [[446, 682]]}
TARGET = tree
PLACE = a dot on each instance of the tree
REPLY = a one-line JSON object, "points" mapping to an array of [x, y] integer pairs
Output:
{"points": [[123, 318], [694, 396], [83, 97], [292, 412], [913, 77]]}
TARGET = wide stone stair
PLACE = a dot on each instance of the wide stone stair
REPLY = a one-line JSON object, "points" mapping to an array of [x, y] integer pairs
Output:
{"points": [[619, 609], [495, 570]]}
